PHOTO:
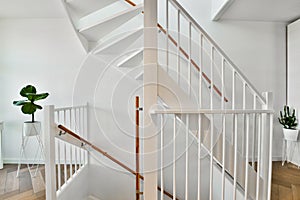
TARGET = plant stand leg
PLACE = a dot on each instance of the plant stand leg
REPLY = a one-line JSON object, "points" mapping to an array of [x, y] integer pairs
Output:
{"points": [[22, 152], [284, 152], [41, 151]]}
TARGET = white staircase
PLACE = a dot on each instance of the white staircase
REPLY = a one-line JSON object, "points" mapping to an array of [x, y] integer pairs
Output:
{"points": [[213, 123]]}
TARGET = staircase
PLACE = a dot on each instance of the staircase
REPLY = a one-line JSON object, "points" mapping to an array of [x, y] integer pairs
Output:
{"points": [[214, 126]]}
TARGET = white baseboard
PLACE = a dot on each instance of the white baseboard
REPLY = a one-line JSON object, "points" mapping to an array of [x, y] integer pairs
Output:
{"points": [[16, 161]]}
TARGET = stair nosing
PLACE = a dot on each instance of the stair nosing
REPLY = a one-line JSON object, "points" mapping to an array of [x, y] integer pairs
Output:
{"points": [[140, 6], [96, 51]]}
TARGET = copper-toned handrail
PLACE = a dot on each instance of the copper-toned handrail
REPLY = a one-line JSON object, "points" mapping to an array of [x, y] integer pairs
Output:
{"points": [[186, 56], [137, 147], [130, 2], [104, 153], [192, 61]]}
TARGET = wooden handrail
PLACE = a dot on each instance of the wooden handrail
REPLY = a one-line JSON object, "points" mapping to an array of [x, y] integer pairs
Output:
{"points": [[104, 153], [130, 2], [137, 147], [192, 61], [186, 56]]}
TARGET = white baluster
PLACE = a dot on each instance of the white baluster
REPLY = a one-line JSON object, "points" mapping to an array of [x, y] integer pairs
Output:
{"points": [[254, 132], [71, 149], [235, 116], [211, 157], [270, 157], [58, 164], [258, 157], [200, 70], [233, 89], [75, 152], [212, 76], [223, 153], [167, 35], [187, 158], [178, 47], [222, 83], [174, 158], [162, 156], [190, 59], [199, 157], [65, 150], [247, 156]]}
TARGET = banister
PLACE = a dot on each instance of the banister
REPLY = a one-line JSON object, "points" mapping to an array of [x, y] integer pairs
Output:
{"points": [[104, 153], [192, 62], [185, 55], [209, 111], [218, 48]]}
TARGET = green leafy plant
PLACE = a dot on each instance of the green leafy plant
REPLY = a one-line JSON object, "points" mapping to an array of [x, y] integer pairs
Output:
{"points": [[288, 119], [28, 106]]}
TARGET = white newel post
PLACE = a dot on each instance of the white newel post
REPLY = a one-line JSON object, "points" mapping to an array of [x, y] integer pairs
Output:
{"points": [[267, 140], [150, 99], [50, 153], [87, 129]]}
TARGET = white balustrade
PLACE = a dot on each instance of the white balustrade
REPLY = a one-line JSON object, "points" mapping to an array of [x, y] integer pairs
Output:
{"points": [[235, 167], [63, 153]]}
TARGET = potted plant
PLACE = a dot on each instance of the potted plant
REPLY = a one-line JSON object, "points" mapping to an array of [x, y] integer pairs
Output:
{"points": [[28, 106], [289, 122]]}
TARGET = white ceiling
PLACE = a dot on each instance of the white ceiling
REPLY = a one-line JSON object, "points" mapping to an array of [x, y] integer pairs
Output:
{"points": [[263, 10], [31, 9]]}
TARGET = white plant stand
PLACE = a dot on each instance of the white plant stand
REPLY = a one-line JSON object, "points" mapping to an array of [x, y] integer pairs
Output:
{"points": [[31, 131], [1, 156], [288, 149]]}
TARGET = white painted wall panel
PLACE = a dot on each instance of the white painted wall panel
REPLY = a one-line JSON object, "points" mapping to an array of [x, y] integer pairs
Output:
{"points": [[42, 52], [294, 64]]}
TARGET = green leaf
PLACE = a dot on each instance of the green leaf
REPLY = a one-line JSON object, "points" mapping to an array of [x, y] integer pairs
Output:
{"points": [[36, 97], [38, 107], [27, 89], [29, 108], [20, 103]]}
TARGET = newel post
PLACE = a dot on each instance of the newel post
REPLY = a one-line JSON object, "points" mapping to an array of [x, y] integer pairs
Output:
{"points": [[267, 144], [150, 99], [50, 173]]}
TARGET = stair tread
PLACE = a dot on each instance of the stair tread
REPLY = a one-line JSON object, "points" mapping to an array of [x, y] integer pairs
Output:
{"points": [[102, 27], [134, 35], [136, 57], [84, 7]]}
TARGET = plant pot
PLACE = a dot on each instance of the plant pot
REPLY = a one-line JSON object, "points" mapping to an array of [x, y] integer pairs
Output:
{"points": [[290, 134], [31, 128]]}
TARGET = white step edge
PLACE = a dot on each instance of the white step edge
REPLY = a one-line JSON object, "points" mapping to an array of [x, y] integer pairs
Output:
{"points": [[140, 76], [91, 197], [131, 12], [137, 33], [136, 57], [85, 7]]}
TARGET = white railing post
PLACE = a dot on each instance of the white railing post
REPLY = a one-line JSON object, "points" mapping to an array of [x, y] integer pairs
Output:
{"points": [[87, 130], [49, 131], [267, 139], [150, 99]]}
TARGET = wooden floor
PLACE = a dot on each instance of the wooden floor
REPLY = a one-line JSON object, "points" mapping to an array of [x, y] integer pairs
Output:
{"points": [[285, 183], [23, 187]]}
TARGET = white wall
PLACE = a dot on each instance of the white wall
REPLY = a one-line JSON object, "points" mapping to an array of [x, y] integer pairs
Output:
{"points": [[42, 52], [257, 48], [293, 64]]}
